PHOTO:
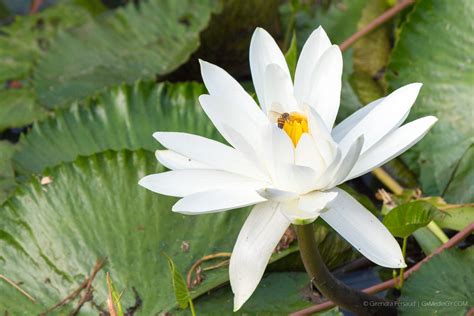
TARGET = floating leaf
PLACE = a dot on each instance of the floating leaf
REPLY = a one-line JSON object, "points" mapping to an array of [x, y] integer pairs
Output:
{"points": [[134, 42], [18, 108], [52, 234], [461, 188], [122, 118], [442, 286], [403, 220], [433, 48]]}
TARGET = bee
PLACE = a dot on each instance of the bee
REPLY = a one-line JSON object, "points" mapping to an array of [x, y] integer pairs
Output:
{"points": [[282, 119]]}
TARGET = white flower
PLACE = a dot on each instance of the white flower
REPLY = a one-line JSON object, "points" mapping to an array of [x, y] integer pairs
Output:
{"points": [[285, 157]]}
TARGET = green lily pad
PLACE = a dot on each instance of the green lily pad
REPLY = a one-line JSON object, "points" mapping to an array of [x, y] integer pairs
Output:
{"points": [[442, 286], [51, 236], [133, 42], [123, 118], [432, 48]]}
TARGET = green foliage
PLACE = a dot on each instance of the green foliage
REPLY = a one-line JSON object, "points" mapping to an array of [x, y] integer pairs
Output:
{"points": [[121, 118], [7, 175], [21, 45], [22, 42], [113, 300], [432, 47], [442, 286], [339, 21], [371, 55], [143, 41], [403, 220], [278, 293], [461, 188], [51, 235], [179, 285], [291, 55], [18, 108]]}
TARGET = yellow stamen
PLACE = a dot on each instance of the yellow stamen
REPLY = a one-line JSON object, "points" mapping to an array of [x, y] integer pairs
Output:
{"points": [[295, 126]]}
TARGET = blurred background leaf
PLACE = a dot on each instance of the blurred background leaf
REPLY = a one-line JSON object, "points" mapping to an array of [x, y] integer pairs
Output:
{"points": [[434, 46], [443, 285]]}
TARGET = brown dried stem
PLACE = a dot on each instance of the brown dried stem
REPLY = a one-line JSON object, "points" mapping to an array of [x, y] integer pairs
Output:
{"points": [[16, 286], [86, 284]]}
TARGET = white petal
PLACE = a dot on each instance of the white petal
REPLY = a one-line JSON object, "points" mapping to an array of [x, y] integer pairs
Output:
{"points": [[234, 124], [186, 182], [316, 201], [322, 137], [277, 195], [325, 93], [220, 84], [208, 152], [347, 163], [257, 239], [264, 51], [384, 118], [363, 230], [327, 176], [250, 149], [173, 161], [345, 126], [307, 154], [293, 178], [217, 201], [317, 43], [295, 215], [279, 90], [392, 145], [276, 149]]}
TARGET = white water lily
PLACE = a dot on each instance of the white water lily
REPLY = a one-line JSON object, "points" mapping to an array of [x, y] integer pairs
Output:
{"points": [[285, 157]]}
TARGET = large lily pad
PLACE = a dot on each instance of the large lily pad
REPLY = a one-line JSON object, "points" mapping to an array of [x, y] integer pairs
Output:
{"points": [[136, 41], [51, 236], [21, 44], [443, 286], [433, 48], [122, 118]]}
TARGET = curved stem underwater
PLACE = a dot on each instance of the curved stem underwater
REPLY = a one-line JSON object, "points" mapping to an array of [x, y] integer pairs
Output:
{"points": [[346, 297]]}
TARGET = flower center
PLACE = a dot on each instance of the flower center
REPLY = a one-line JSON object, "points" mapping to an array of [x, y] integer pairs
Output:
{"points": [[294, 124]]}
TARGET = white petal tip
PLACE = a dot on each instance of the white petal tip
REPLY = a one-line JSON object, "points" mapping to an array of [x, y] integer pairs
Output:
{"points": [[432, 119], [158, 136], [238, 302]]}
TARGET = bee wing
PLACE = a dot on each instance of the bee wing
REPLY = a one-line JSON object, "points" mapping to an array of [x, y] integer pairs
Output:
{"points": [[273, 116]]}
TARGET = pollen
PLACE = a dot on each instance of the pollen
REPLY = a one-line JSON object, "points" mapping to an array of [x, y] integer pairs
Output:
{"points": [[295, 124]]}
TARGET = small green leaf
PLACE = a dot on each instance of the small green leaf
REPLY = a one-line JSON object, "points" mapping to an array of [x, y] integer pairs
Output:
{"points": [[179, 285], [291, 55], [403, 220]]}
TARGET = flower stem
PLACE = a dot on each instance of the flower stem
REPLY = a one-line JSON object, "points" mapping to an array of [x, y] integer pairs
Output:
{"points": [[346, 297]]}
